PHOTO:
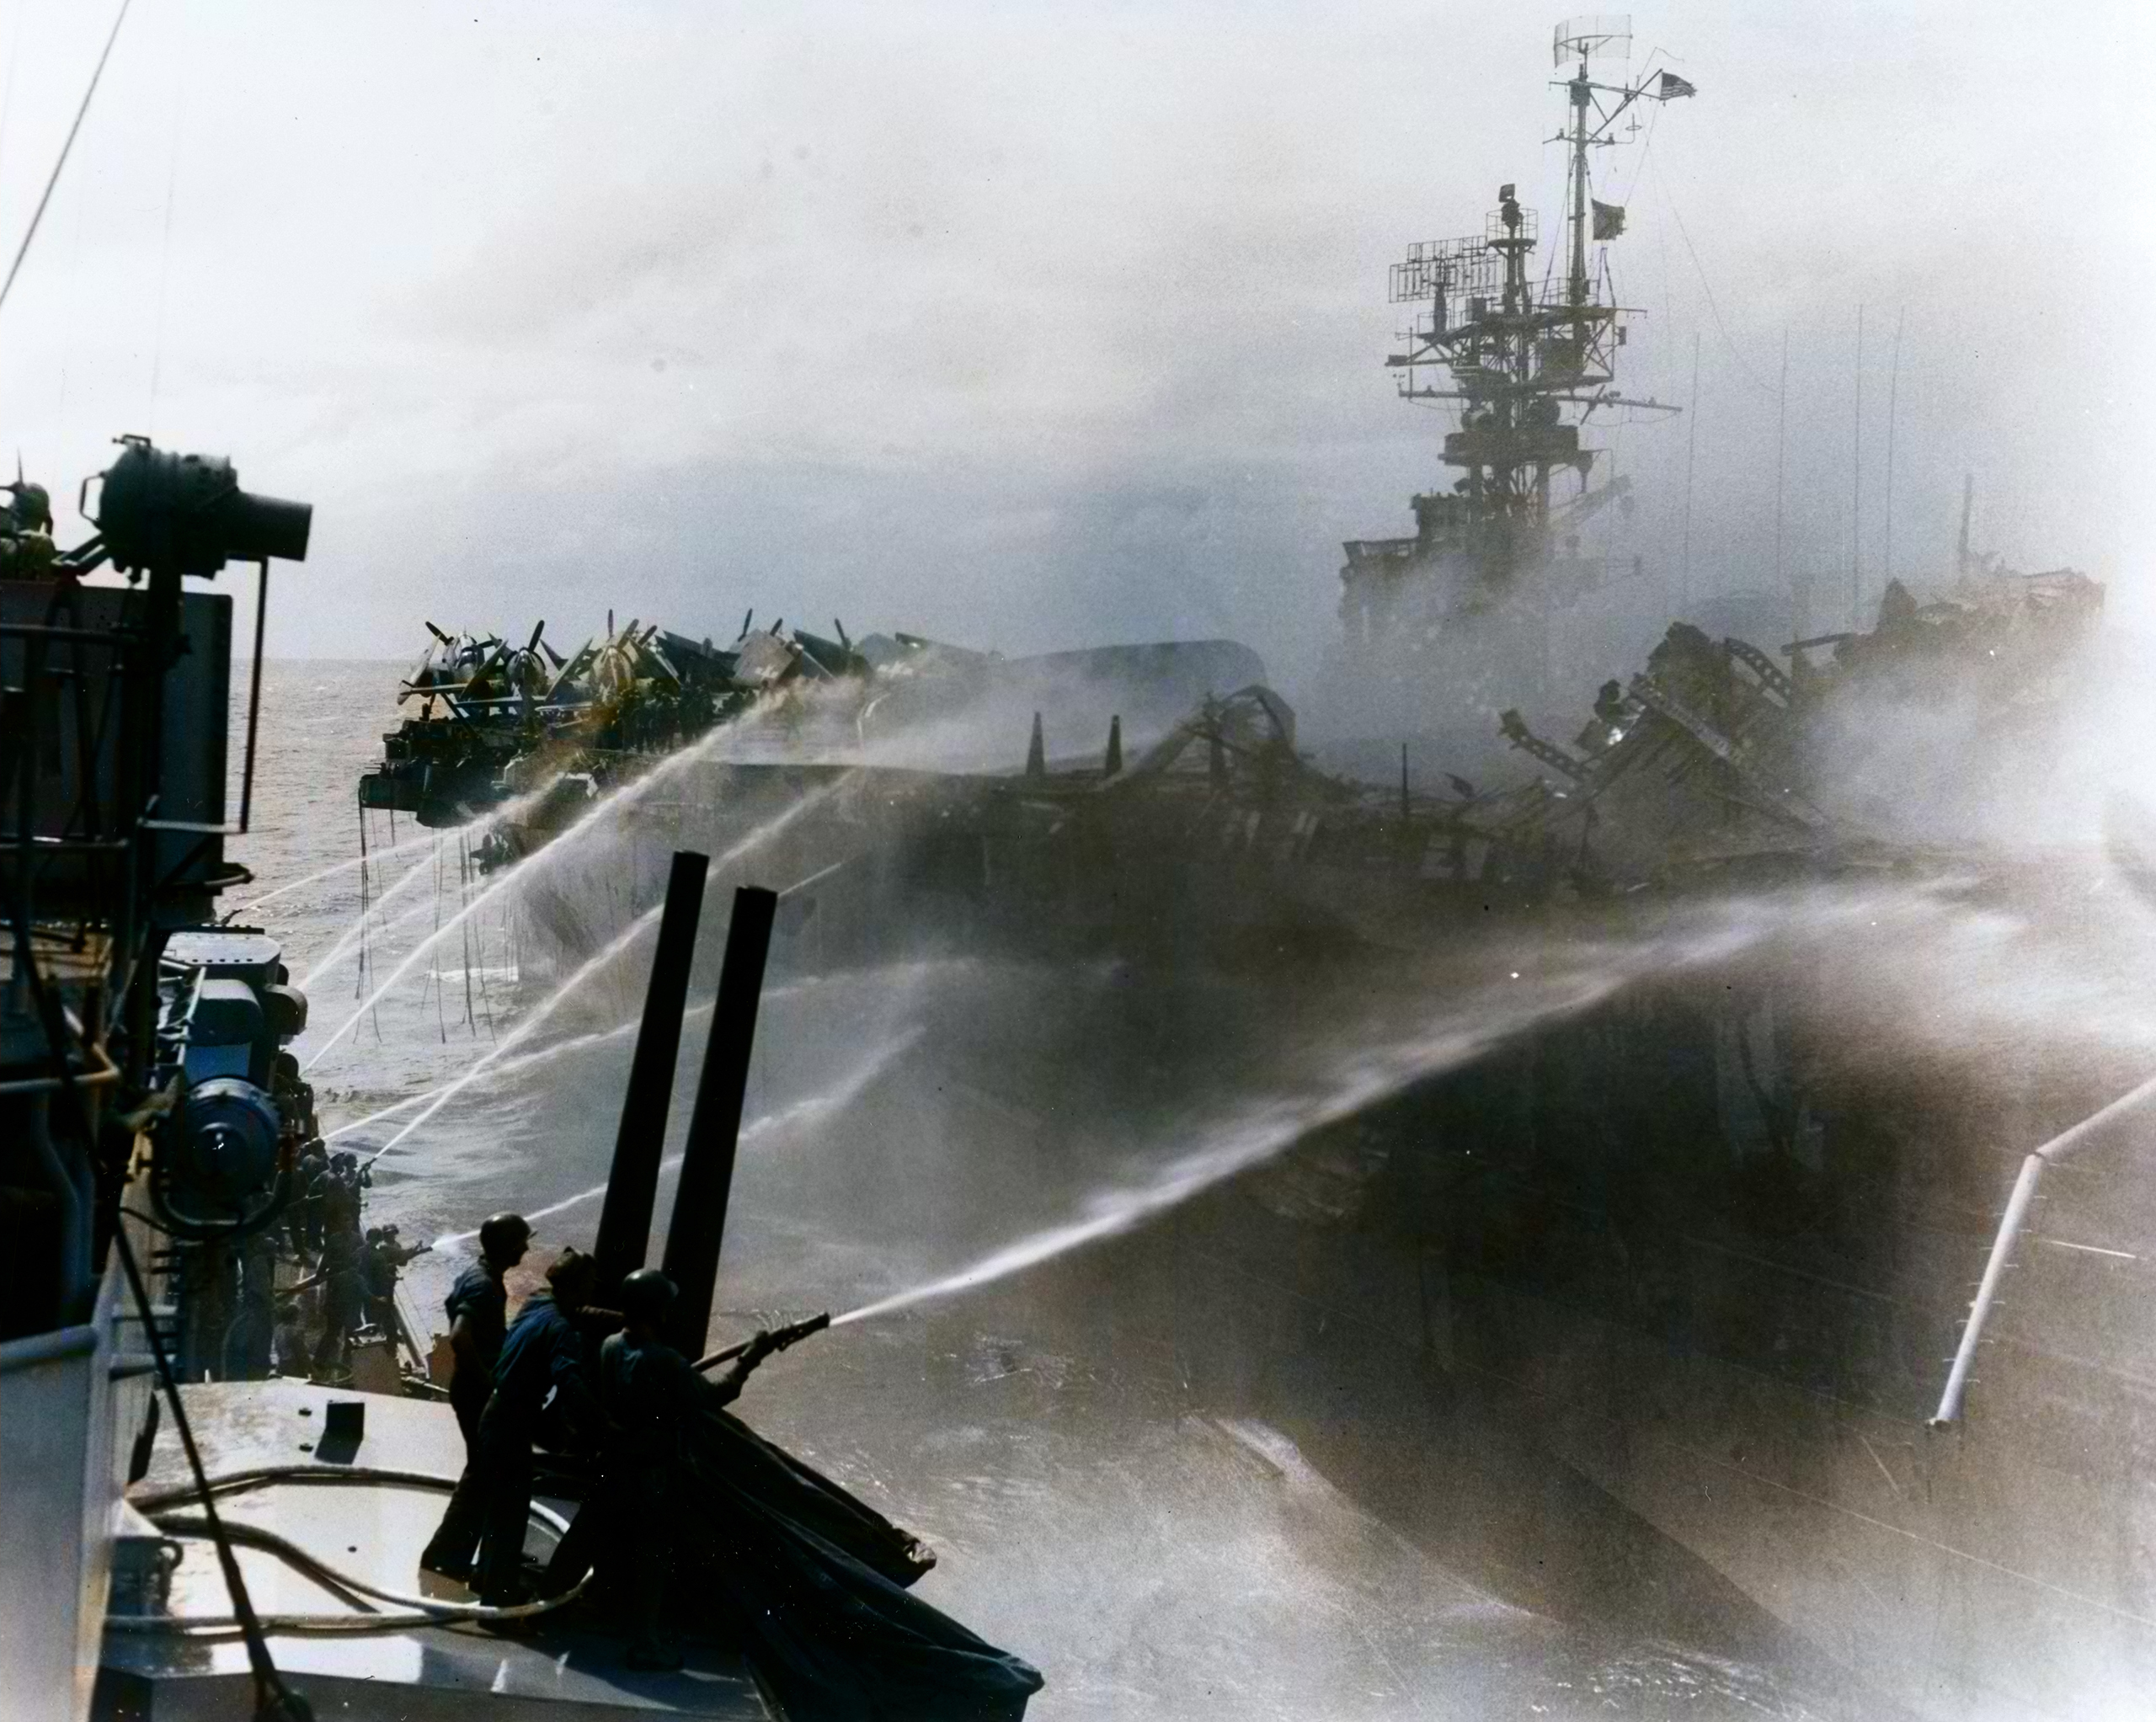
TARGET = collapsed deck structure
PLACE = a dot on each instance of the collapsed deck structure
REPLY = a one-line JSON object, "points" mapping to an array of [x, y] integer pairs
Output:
{"points": [[496, 723]]}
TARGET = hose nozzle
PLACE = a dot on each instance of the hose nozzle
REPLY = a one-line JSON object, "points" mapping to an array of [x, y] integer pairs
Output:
{"points": [[776, 1340], [784, 1336]]}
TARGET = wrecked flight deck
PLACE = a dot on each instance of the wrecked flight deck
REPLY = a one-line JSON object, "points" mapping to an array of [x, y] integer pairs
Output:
{"points": [[1215, 836], [502, 727], [1717, 753], [1630, 1291]]}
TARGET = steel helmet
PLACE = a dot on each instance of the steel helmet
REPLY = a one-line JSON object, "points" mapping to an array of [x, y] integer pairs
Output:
{"points": [[503, 1233], [32, 507], [647, 1294]]}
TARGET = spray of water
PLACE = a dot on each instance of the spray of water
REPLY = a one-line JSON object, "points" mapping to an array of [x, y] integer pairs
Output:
{"points": [[591, 966], [532, 1024], [554, 1049], [509, 810], [507, 1067], [1468, 1029], [575, 1042], [837, 1099], [552, 855], [373, 914], [349, 865]]}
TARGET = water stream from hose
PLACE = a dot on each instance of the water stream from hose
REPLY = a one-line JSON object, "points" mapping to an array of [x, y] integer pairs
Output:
{"points": [[606, 954], [552, 855], [1465, 1029], [350, 863], [500, 816], [842, 1094]]}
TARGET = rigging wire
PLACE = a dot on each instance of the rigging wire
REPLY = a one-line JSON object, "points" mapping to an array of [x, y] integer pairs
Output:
{"points": [[1706, 286], [1664, 348], [164, 251], [74, 274], [1646, 148], [37, 215]]}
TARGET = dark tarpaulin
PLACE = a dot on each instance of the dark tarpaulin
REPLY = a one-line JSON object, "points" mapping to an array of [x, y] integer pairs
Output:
{"points": [[720, 1443], [811, 1581]]}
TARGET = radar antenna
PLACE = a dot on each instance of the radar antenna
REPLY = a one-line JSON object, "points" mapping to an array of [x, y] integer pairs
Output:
{"points": [[1513, 353]]}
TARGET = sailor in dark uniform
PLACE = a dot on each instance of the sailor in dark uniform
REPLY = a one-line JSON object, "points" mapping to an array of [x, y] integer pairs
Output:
{"points": [[648, 1392], [344, 1264], [387, 1256], [477, 1306], [313, 1188], [542, 1357]]}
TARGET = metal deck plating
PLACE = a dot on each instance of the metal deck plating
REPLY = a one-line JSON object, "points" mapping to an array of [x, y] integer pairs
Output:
{"points": [[373, 1532]]}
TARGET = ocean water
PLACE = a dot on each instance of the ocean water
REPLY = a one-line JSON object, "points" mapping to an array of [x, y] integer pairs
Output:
{"points": [[1155, 1557]]}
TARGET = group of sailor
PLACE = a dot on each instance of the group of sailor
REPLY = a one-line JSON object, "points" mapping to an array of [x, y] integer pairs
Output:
{"points": [[513, 1383], [262, 1319], [353, 1266]]}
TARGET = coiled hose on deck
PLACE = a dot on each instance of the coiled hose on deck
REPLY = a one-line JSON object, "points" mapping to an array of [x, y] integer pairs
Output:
{"points": [[419, 1611]]}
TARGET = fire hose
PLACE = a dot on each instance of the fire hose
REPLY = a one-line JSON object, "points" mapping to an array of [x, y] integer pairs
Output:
{"points": [[777, 1339], [421, 1610]]}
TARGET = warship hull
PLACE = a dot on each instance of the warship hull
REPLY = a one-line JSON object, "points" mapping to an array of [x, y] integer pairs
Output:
{"points": [[1643, 1316], [1642, 1319]]}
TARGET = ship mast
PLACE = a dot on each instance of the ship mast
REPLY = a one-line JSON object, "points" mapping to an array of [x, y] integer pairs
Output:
{"points": [[1515, 357], [1581, 93], [1596, 108], [1527, 362]]}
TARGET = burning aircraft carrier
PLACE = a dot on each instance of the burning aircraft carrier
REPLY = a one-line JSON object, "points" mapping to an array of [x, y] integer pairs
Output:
{"points": [[1633, 1251], [1641, 1305]]}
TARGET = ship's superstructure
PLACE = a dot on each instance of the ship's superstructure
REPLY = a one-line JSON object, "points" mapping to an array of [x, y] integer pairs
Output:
{"points": [[1529, 359], [113, 713]]}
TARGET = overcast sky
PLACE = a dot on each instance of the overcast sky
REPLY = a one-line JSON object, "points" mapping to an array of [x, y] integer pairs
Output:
{"points": [[1026, 326]]}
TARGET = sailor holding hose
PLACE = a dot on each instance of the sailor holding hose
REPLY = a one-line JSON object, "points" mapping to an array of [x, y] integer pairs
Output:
{"points": [[701, 1518], [477, 1307], [650, 1391], [698, 1515], [541, 1358]]}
